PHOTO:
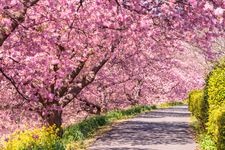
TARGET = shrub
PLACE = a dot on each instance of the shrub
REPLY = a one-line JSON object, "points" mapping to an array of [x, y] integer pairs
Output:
{"points": [[198, 106], [221, 132], [216, 126], [206, 142], [37, 139], [215, 95], [215, 89]]}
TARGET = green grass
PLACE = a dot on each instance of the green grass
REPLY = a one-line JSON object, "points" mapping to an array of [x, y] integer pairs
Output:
{"points": [[81, 135], [204, 140], [75, 134], [168, 104]]}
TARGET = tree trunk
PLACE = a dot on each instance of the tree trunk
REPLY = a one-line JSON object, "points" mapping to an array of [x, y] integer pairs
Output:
{"points": [[55, 118]]}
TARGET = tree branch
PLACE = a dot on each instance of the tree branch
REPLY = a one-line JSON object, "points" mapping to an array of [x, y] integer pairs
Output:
{"points": [[89, 106], [13, 83], [15, 19], [89, 77]]}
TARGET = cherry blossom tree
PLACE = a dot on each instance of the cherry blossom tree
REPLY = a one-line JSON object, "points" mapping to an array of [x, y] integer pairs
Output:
{"points": [[51, 51]]}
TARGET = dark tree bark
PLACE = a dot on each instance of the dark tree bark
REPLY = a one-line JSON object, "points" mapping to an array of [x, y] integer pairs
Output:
{"points": [[55, 118]]}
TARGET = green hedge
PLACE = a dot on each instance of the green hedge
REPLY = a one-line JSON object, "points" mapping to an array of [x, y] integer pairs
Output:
{"points": [[198, 106], [215, 96], [215, 87], [216, 126]]}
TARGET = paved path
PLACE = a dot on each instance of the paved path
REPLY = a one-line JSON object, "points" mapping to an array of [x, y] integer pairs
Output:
{"points": [[162, 129]]}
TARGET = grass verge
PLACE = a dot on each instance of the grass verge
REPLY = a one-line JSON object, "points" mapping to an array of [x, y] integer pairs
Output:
{"points": [[169, 104], [79, 136], [203, 139], [76, 136]]}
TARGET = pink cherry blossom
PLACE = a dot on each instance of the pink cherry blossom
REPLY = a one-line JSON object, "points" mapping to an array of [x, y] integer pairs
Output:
{"points": [[61, 56], [219, 11]]}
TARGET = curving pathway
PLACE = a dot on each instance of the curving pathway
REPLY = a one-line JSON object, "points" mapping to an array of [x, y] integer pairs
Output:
{"points": [[161, 129]]}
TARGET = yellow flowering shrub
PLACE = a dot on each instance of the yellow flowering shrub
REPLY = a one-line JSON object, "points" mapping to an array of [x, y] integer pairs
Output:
{"points": [[216, 126], [215, 96], [198, 106], [44, 138]]}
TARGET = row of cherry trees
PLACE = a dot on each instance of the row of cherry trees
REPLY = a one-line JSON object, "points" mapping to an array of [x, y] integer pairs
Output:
{"points": [[102, 53]]}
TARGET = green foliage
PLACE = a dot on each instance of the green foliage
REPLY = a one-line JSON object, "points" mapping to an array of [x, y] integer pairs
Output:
{"points": [[114, 115], [122, 114], [174, 103], [216, 126], [215, 95], [198, 106], [206, 142], [46, 138], [194, 99], [221, 133], [209, 108], [88, 127], [83, 129], [215, 89], [37, 139]]}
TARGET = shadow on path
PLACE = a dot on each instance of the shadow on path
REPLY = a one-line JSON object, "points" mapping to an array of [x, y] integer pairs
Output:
{"points": [[162, 129]]}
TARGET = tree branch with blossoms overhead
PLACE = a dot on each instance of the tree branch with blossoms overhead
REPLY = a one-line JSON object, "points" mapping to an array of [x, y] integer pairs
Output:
{"points": [[12, 81], [56, 49], [89, 77], [16, 18]]}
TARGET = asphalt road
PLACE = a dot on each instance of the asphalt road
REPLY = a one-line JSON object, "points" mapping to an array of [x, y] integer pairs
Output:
{"points": [[161, 129]]}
